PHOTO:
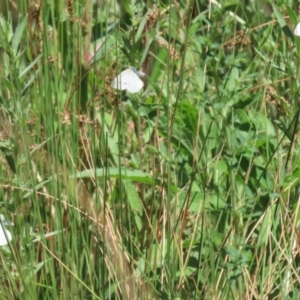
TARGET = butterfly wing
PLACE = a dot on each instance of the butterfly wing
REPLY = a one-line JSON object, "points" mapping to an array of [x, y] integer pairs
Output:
{"points": [[119, 83], [135, 84], [128, 80], [297, 30], [4, 236]]}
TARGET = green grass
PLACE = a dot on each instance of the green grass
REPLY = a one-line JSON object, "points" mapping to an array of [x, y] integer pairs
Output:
{"points": [[186, 190]]}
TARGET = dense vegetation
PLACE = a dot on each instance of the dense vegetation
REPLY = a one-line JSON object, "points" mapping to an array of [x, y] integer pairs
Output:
{"points": [[187, 189]]}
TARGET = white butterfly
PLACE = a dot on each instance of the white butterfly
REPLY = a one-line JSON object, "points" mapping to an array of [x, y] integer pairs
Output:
{"points": [[297, 30], [128, 80], [5, 235]]}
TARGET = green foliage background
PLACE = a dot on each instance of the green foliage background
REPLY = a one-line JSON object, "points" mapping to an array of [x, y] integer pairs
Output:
{"points": [[188, 189]]}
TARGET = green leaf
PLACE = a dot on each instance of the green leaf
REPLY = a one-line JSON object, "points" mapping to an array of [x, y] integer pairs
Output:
{"points": [[134, 175], [141, 27], [18, 34], [279, 16], [135, 203], [28, 68], [292, 14]]}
